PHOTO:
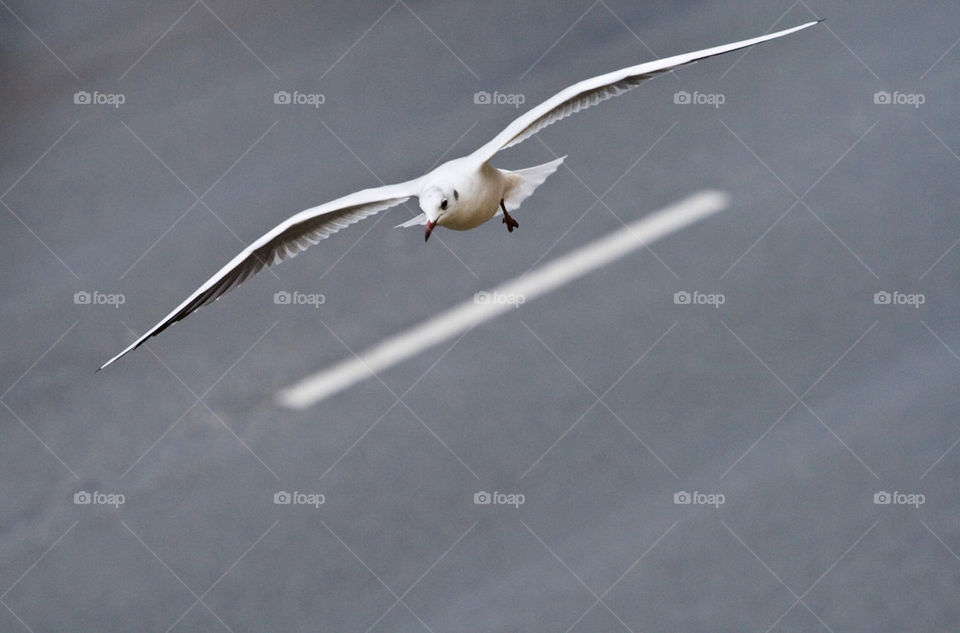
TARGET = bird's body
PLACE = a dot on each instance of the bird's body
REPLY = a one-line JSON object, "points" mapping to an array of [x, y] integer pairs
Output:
{"points": [[479, 189], [460, 194], [467, 192]]}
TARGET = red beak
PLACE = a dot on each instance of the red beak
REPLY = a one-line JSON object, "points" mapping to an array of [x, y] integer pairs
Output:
{"points": [[428, 230]]}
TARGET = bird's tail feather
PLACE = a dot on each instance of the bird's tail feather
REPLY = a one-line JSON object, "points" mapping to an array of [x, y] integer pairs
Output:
{"points": [[523, 182], [521, 185], [417, 220]]}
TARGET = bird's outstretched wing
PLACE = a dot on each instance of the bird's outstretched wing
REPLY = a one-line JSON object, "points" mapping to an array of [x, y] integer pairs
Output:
{"points": [[589, 92], [283, 242]]}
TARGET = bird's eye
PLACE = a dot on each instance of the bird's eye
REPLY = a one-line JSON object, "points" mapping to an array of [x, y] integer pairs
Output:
{"points": [[443, 205], [456, 196]]}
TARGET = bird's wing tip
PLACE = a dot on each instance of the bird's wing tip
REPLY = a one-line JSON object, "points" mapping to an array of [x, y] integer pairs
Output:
{"points": [[116, 358]]}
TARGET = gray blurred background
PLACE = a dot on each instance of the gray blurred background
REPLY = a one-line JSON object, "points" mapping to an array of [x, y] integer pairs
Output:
{"points": [[798, 400]]}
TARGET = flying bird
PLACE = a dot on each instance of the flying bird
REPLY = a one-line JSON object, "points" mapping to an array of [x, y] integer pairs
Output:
{"points": [[460, 194]]}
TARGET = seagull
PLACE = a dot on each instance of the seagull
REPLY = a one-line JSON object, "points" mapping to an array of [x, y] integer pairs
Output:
{"points": [[460, 194]]}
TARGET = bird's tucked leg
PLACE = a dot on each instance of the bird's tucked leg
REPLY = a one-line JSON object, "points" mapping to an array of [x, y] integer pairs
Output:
{"points": [[508, 219]]}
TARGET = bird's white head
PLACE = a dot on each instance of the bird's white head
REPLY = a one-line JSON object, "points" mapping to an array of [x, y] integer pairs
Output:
{"points": [[437, 202]]}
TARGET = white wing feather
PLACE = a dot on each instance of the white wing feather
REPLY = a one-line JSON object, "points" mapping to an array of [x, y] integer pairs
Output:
{"points": [[592, 91], [284, 241]]}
